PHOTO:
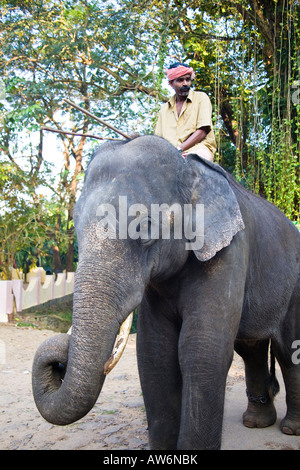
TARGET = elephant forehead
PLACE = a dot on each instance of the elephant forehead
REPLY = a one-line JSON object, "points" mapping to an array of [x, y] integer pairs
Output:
{"points": [[124, 190], [143, 152], [123, 175]]}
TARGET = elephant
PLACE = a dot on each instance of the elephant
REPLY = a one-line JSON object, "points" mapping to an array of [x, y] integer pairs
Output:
{"points": [[228, 282]]}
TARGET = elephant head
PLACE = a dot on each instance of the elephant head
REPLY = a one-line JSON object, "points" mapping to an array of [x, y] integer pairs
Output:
{"points": [[121, 251]]}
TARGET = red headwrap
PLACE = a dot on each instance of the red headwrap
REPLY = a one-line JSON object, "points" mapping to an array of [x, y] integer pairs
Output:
{"points": [[177, 72]]}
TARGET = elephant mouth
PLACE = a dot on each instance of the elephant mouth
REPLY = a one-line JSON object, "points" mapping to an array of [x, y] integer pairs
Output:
{"points": [[119, 346]]}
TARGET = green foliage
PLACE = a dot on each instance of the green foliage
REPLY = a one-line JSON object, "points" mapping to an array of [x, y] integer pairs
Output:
{"points": [[28, 222], [100, 54]]}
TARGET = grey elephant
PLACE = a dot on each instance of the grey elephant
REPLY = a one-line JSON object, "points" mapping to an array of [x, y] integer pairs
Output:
{"points": [[216, 271]]}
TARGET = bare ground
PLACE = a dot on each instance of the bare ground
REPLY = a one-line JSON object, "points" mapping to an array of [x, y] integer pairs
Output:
{"points": [[118, 420]]}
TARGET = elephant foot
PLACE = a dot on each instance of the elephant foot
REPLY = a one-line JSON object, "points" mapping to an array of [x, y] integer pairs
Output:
{"points": [[288, 426], [259, 415]]}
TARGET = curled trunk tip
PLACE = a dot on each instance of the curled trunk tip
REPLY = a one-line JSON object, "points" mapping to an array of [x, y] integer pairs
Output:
{"points": [[48, 371]]}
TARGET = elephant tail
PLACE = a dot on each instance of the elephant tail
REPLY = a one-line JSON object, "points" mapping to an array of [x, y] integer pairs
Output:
{"points": [[273, 382]]}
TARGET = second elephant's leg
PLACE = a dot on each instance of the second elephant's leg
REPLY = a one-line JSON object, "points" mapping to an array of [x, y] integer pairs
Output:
{"points": [[261, 387]]}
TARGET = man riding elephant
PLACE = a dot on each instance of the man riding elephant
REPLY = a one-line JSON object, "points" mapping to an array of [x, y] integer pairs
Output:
{"points": [[185, 120]]}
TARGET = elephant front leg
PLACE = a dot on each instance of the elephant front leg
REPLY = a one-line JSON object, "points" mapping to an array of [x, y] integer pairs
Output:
{"points": [[157, 353], [204, 361]]}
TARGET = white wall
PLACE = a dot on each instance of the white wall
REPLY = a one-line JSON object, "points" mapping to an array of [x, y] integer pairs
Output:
{"points": [[40, 289]]}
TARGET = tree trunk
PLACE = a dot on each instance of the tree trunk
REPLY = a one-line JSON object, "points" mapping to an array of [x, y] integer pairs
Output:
{"points": [[57, 264]]}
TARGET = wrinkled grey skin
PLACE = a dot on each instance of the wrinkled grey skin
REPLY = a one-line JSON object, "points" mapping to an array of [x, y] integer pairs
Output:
{"points": [[240, 290]]}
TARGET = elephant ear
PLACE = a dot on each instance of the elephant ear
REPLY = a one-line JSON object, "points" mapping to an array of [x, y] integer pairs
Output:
{"points": [[211, 189]]}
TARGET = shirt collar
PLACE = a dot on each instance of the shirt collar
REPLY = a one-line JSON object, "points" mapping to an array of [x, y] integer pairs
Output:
{"points": [[172, 100]]}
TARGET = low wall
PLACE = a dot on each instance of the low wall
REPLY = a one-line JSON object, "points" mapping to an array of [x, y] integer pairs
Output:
{"points": [[39, 289]]}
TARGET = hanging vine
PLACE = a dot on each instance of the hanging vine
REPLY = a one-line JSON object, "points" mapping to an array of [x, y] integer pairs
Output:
{"points": [[281, 178], [270, 166]]}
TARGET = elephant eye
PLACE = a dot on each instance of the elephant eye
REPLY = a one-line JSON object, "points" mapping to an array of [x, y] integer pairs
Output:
{"points": [[144, 229], [146, 232]]}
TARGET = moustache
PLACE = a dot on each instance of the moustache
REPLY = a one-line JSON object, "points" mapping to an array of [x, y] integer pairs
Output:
{"points": [[185, 89]]}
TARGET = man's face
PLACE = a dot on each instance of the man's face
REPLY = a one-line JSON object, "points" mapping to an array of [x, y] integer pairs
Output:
{"points": [[182, 85]]}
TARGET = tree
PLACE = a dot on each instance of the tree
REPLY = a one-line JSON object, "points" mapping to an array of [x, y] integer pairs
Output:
{"points": [[21, 227], [98, 54]]}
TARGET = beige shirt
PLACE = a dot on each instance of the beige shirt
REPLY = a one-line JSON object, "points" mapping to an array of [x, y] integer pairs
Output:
{"points": [[196, 112]]}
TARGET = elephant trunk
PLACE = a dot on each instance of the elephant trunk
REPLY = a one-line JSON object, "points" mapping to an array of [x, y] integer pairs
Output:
{"points": [[68, 371]]}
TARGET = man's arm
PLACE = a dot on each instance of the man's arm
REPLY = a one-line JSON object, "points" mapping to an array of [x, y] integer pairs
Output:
{"points": [[195, 138]]}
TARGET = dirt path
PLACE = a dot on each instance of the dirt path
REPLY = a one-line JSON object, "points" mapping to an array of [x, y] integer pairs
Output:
{"points": [[118, 419]]}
